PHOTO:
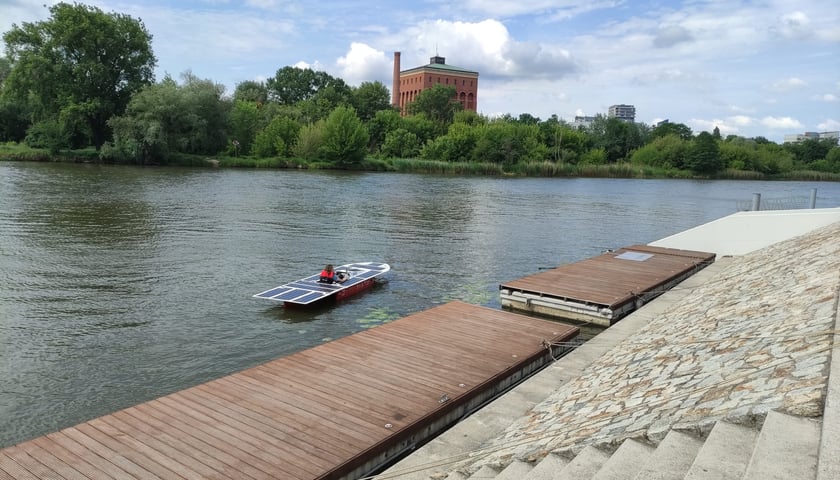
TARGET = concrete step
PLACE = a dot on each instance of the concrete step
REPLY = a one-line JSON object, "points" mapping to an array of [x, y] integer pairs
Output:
{"points": [[787, 449], [517, 470], [726, 453], [483, 473], [625, 462], [672, 458], [585, 465], [547, 467], [453, 475]]}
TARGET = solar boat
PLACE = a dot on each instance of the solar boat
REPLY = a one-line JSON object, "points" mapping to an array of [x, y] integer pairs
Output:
{"points": [[357, 277]]}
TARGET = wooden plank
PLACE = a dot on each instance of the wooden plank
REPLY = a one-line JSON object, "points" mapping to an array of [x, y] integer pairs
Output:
{"points": [[13, 468], [210, 454], [31, 464], [255, 464], [303, 416], [608, 281], [61, 466]]}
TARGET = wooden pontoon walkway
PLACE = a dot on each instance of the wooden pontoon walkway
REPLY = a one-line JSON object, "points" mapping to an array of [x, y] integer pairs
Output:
{"points": [[604, 288], [333, 411]]}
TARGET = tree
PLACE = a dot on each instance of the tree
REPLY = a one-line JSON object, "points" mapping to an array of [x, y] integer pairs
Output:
{"points": [[616, 137], [438, 104], [83, 60], [369, 98], [244, 124], [345, 137], [277, 138], [291, 85], [251, 91], [668, 128], [166, 118], [400, 143], [703, 155]]}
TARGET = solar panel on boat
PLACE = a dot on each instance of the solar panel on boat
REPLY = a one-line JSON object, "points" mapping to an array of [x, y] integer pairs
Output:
{"points": [[309, 289]]}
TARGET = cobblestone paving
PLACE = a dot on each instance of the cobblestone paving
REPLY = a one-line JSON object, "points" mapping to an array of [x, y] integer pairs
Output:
{"points": [[754, 339]]}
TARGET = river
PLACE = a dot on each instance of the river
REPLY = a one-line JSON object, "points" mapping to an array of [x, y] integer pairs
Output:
{"points": [[122, 284]]}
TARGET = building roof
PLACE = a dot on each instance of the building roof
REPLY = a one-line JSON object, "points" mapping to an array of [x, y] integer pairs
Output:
{"points": [[442, 68]]}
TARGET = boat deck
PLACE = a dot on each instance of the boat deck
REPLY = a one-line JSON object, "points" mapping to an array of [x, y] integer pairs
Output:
{"points": [[337, 410], [604, 288], [309, 290]]}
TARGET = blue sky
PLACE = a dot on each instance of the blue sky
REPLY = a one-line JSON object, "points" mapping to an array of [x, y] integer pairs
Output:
{"points": [[751, 68]]}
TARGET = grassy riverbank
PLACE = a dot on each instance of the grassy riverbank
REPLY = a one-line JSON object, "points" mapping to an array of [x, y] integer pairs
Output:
{"points": [[18, 152]]}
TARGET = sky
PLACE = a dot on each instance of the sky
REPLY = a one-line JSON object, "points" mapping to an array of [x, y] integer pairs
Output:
{"points": [[750, 68]]}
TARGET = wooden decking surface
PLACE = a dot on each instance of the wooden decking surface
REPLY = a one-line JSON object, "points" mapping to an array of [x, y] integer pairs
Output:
{"points": [[609, 281], [304, 416]]}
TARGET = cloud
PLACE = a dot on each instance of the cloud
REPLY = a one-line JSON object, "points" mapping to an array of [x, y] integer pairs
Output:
{"points": [[363, 63], [788, 84], [829, 125], [781, 123], [487, 47], [828, 98], [794, 25], [672, 35], [543, 10]]}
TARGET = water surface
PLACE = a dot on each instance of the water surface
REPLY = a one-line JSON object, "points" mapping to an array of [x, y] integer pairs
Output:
{"points": [[122, 284]]}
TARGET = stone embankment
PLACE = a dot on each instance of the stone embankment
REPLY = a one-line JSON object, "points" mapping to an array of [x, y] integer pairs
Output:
{"points": [[750, 335]]}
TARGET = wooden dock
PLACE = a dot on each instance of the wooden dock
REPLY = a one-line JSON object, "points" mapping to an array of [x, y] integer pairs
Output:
{"points": [[338, 410], [604, 288]]}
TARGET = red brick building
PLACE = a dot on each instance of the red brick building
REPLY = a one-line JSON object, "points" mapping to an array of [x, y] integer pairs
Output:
{"points": [[409, 83]]}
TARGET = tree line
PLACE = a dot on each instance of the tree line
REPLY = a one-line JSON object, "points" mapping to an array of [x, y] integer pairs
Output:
{"points": [[84, 78]]}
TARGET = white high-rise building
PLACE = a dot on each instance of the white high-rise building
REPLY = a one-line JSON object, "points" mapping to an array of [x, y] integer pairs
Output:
{"points": [[623, 112]]}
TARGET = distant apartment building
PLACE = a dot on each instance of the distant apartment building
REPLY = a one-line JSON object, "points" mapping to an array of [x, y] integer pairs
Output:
{"points": [[623, 112], [583, 121], [409, 83], [801, 137]]}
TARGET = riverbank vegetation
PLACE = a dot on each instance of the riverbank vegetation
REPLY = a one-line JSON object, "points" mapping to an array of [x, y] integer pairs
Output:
{"points": [[63, 97]]}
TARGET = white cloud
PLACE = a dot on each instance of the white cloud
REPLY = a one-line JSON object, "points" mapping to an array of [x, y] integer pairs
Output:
{"points": [[788, 84], [781, 123], [794, 25], [698, 125], [829, 125], [828, 98], [363, 63]]}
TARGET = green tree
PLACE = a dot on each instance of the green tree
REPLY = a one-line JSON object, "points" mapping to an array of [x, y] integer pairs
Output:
{"points": [[244, 124], [668, 128], [667, 152], [457, 145], [14, 120], [438, 104], [251, 91], [616, 137], [345, 137], [383, 121], [83, 60], [508, 143], [324, 101], [168, 118], [401, 143], [277, 138], [291, 85], [369, 98], [309, 141], [703, 155]]}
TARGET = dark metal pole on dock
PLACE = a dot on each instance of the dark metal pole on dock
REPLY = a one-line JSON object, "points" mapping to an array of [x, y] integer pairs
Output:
{"points": [[813, 198], [756, 205]]}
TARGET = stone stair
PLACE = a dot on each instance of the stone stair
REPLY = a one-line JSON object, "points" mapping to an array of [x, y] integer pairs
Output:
{"points": [[782, 447]]}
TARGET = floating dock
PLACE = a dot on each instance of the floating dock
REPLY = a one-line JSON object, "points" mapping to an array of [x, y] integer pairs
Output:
{"points": [[603, 289], [338, 410]]}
